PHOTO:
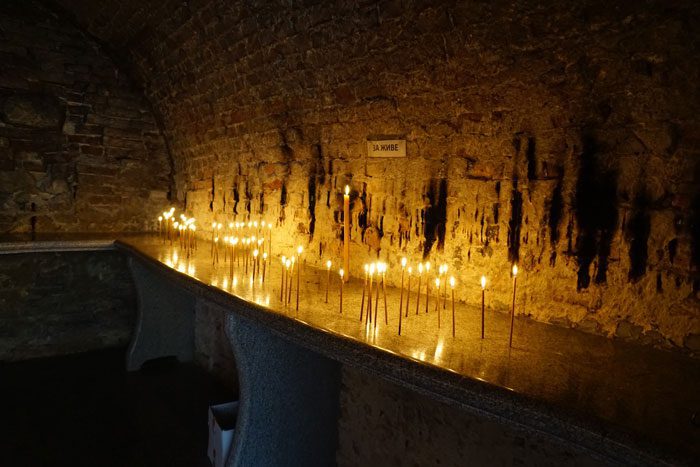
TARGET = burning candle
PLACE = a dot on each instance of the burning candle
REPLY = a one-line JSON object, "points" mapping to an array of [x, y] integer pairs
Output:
{"points": [[427, 285], [452, 287], [386, 313], [328, 277], [512, 314], [346, 229], [369, 294], [269, 230], [213, 234], [284, 264], [290, 279], [160, 226], [290, 270], [483, 293], [444, 290], [300, 249], [364, 290], [403, 269], [376, 300], [264, 265], [420, 276], [437, 298], [408, 289], [341, 273], [256, 268]]}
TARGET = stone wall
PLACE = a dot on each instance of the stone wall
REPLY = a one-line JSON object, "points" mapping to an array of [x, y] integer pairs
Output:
{"points": [[61, 303], [561, 135], [80, 149]]}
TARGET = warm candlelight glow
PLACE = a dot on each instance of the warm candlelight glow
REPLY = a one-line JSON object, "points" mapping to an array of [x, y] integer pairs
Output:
{"points": [[483, 282], [342, 273], [329, 264], [403, 262], [452, 281], [515, 270], [300, 250], [347, 190]]}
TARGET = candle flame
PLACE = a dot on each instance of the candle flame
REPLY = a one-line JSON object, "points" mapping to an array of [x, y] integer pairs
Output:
{"points": [[437, 282], [420, 268], [329, 264], [515, 270], [483, 282], [452, 282], [427, 266], [255, 253], [300, 249], [410, 270], [403, 262], [347, 190], [342, 273], [265, 256]]}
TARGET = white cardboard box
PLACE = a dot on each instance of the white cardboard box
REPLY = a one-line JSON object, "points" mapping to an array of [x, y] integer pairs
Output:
{"points": [[222, 421]]}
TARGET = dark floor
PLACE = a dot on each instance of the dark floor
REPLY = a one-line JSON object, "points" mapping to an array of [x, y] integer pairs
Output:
{"points": [[86, 410]]}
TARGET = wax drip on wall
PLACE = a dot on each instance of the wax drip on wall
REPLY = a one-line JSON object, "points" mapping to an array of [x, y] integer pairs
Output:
{"points": [[248, 198], [236, 197], [570, 236], [514, 224], [672, 249], [435, 216], [596, 213], [316, 178], [283, 202], [362, 215], [556, 211], [531, 158], [637, 233], [695, 228], [481, 229], [211, 195]]}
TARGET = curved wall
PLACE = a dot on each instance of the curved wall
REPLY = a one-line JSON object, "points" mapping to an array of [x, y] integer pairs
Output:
{"points": [[80, 149], [561, 135]]}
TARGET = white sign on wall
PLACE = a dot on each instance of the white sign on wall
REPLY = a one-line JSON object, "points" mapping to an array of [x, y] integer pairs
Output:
{"points": [[386, 148]]}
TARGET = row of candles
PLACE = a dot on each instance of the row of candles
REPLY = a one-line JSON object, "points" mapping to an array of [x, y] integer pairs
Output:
{"points": [[245, 246], [378, 270], [184, 229]]}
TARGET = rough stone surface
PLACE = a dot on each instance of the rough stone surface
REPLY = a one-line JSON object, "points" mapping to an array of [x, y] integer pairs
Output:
{"points": [[384, 424], [61, 303], [561, 135], [80, 149]]}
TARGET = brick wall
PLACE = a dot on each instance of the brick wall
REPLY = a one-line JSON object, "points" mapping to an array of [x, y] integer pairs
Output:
{"points": [[562, 135], [80, 149]]}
